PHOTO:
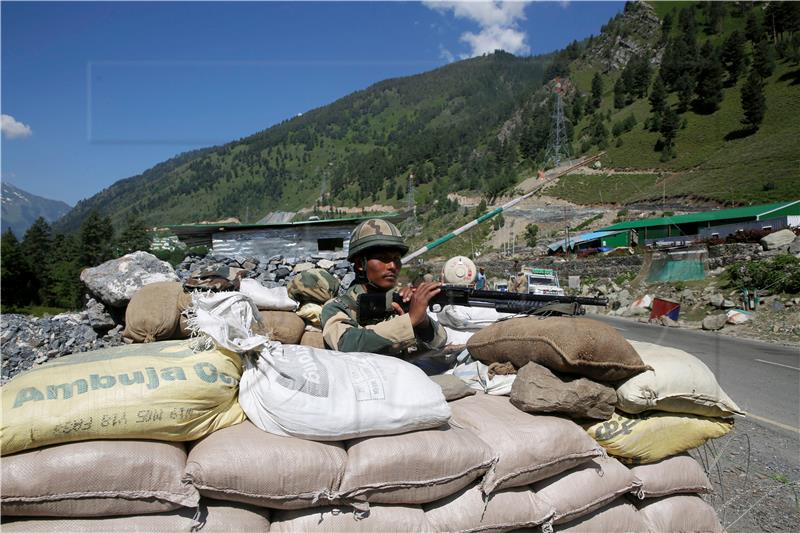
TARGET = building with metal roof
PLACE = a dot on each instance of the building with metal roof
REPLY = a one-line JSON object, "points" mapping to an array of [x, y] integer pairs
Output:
{"points": [[592, 240]]}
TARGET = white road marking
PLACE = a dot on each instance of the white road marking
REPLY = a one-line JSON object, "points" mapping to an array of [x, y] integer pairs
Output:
{"points": [[768, 421], [620, 329], [777, 364]]}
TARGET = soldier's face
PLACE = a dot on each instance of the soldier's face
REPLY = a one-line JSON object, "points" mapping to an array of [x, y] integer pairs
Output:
{"points": [[383, 267]]}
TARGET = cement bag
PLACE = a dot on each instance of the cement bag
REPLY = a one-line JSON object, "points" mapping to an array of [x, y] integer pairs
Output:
{"points": [[96, 478], [528, 447], [470, 511], [229, 320], [379, 518], [310, 313], [456, 337], [212, 517], [680, 474], [468, 318], [326, 395], [452, 387], [154, 312], [476, 376], [619, 515], [313, 339], [157, 391], [589, 487], [562, 344], [413, 468], [680, 513], [678, 383], [244, 464], [650, 437], [266, 299], [282, 326]]}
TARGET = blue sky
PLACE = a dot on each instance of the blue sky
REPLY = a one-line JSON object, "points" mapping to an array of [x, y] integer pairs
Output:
{"points": [[96, 92]]}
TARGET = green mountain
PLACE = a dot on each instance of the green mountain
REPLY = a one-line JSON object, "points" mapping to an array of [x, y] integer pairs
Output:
{"points": [[482, 125]]}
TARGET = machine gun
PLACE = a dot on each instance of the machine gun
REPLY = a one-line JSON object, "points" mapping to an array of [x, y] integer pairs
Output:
{"points": [[378, 306]]}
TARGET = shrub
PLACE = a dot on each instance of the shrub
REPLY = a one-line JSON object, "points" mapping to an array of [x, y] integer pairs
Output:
{"points": [[779, 274]]}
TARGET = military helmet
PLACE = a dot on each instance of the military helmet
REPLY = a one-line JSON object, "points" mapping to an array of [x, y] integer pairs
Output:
{"points": [[375, 233]]}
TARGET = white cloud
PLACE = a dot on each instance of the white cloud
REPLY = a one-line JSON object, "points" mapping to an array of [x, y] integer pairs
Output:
{"points": [[446, 54], [13, 129], [497, 21]]}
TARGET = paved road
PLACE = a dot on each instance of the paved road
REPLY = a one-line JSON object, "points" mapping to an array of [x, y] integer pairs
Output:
{"points": [[763, 378]]}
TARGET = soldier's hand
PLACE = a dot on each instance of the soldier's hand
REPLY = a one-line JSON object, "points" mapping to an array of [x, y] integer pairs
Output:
{"points": [[406, 293], [418, 310]]}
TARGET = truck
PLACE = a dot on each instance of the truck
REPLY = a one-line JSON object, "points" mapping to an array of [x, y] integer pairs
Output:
{"points": [[543, 281]]}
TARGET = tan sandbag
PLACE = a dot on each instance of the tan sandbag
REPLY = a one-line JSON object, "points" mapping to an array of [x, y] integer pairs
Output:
{"points": [[678, 383], [154, 312], [505, 510], [681, 512], [413, 468], [620, 515], [589, 487], [379, 518], [650, 437], [158, 391], [313, 339], [283, 326], [528, 447], [680, 474], [453, 388], [244, 464], [573, 345], [213, 517], [96, 478]]}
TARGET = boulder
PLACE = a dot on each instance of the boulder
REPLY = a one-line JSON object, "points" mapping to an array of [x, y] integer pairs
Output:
{"points": [[538, 390], [325, 264], [115, 281], [668, 322], [636, 311], [794, 247], [99, 318], [717, 300], [302, 267], [714, 322], [348, 279], [777, 239]]}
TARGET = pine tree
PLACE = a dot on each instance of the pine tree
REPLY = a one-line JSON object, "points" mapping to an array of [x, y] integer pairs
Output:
{"points": [[709, 81], [37, 251], [685, 88], [577, 108], [754, 104], [669, 130], [764, 58], [754, 29], [96, 239], [14, 272], [619, 94], [134, 237], [658, 101], [64, 273], [733, 56], [597, 91]]}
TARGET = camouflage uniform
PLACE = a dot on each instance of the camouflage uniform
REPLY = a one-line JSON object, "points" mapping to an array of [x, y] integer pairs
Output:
{"points": [[392, 335], [313, 286], [518, 283]]}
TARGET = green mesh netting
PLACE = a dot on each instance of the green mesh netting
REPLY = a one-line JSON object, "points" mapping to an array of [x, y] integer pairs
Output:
{"points": [[678, 270]]}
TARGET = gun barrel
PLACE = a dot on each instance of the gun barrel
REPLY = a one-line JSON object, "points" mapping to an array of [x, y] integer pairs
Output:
{"points": [[461, 295]]}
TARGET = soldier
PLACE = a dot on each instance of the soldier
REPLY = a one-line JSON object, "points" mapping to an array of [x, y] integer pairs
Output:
{"points": [[518, 282], [376, 247]]}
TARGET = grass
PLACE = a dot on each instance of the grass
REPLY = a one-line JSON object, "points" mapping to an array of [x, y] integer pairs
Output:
{"points": [[604, 188]]}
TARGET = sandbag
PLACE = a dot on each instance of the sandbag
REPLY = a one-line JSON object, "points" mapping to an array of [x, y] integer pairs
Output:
{"points": [[326, 395], [678, 383], [310, 313], [573, 345], [680, 474], [154, 312], [212, 516], [413, 468], [313, 286], [650, 437], [267, 299], [379, 518], [469, 511], [283, 326], [476, 376], [313, 339], [456, 338], [680, 512], [96, 478], [589, 487], [244, 464], [528, 447], [538, 390], [461, 317], [452, 387], [157, 391], [618, 516]]}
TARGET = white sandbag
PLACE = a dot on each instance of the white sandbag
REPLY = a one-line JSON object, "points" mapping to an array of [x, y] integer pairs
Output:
{"points": [[326, 395], [681, 512], [679, 474], [618, 516], [476, 376], [678, 383], [378, 519], [469, 318], [456, 337], [266, 299], [226, 319]]}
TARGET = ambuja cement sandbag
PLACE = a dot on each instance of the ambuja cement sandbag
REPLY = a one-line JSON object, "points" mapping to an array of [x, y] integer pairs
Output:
{"points": [[679, 474], [584, 489], [326, 395], [528, 447], [378, 519], [470, 511], [244, 464], [678, 383], [96, 478], [679, 513], [563, 344], [212, 517], [157, 391], [413, 468], [619, 515], [154, 312], [266, 299], [650, 437]]}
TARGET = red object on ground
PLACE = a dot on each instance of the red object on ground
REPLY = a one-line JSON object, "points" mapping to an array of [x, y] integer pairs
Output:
{"points": [[662, 307]]}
